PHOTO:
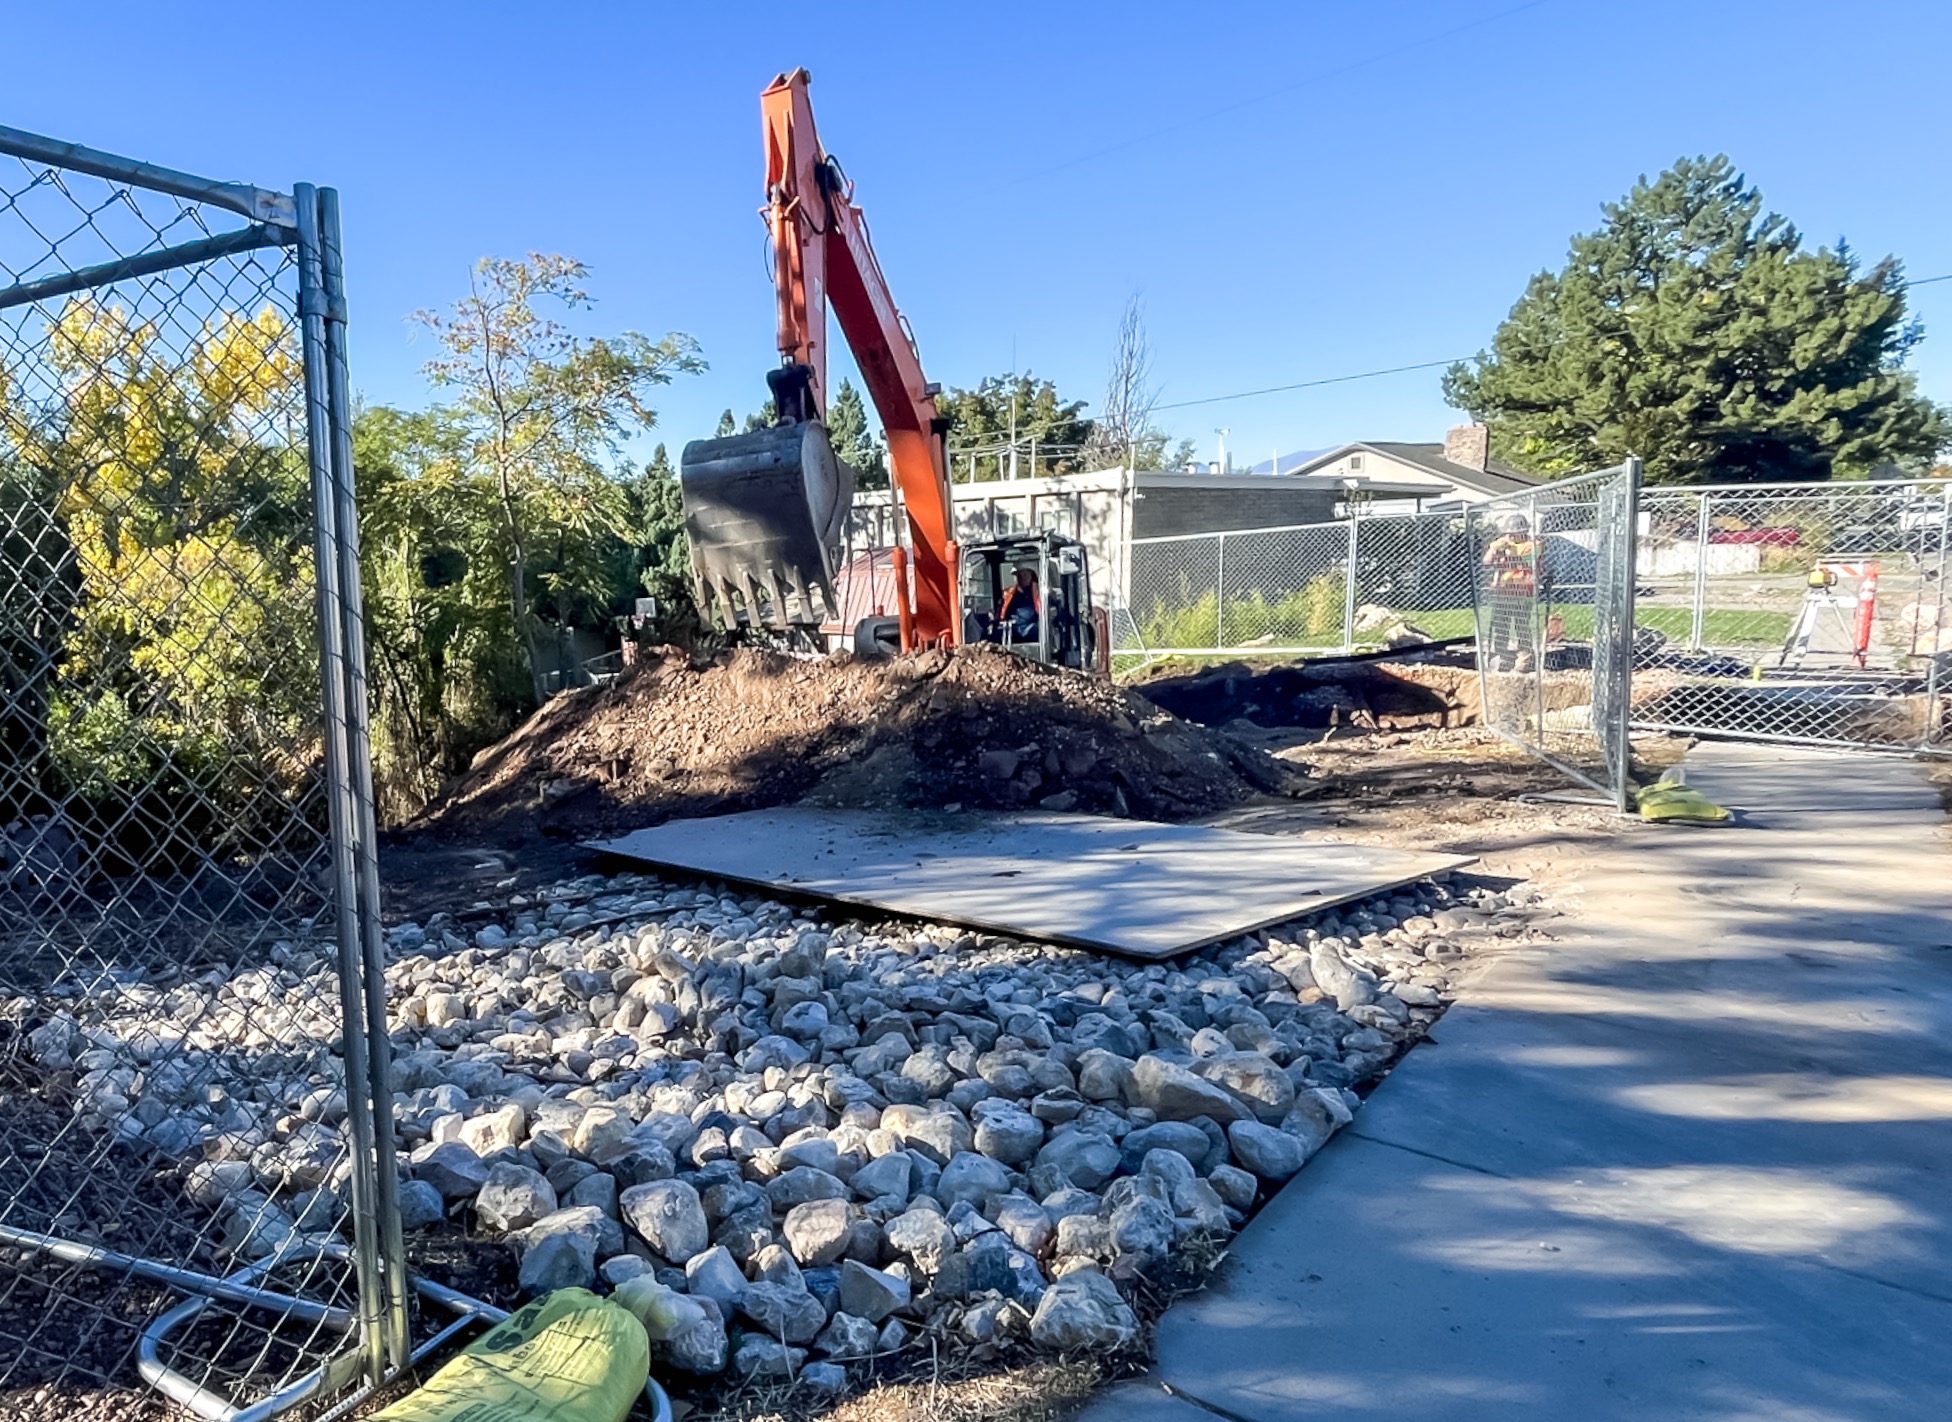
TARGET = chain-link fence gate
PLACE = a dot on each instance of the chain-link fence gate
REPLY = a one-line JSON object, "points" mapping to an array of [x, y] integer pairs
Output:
{"points": [[1797, 612], [1554, 578], [196, 1176]]}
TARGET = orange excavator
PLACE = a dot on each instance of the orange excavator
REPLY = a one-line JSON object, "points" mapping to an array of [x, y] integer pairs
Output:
{"points": [[766, 511]]}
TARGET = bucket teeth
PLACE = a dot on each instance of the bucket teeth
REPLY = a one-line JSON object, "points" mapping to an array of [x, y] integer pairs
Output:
{"points": [[764, 511]]}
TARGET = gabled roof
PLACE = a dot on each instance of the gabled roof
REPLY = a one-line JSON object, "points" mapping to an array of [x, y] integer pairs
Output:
{"points": [[1498, 479]]}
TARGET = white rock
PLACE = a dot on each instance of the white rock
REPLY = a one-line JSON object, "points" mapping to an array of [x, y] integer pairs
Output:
{"points": [[616, 1270], [714, 1275], [445, 1009], [1083, 1310], [923, 1236], [558, 1261], [1143, 1227], [1178, 1095], [972, 1178], [764, 1359], [210, 1182], [514, 1197], [871, 1293], [888, 1176], [817, 1232], [1271, 1154], [1253, 1080], [823, 1379], [421, 1205], [668, 1216], [1084, 1158], [700, 1348], [1008, 1134], [497, 1130], [846, 1337], [452, 1169], [602, 1131], [1349, 986], [783, 1311]]}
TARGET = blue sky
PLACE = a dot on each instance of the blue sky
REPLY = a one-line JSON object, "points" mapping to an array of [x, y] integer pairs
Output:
{"points": [[1298, 191]]}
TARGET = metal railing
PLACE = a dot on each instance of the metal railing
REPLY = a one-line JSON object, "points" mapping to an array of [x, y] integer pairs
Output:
{"points": [[193, 1048], [1553, 570], [1303, 589], [1812, 613]]}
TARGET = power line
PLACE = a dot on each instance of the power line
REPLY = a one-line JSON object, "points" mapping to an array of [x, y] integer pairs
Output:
{"points": [[1307, 384], [1392, 370]]}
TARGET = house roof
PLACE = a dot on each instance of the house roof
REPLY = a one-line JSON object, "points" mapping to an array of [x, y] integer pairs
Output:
{"points": [[1498, 479]]}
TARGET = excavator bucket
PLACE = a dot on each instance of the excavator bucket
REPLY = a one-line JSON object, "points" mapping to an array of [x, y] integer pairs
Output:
{"points": [[765, 512]]}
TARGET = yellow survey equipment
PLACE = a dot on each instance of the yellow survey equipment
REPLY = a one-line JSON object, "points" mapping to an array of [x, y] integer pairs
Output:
{"points": [[568, 1357]]}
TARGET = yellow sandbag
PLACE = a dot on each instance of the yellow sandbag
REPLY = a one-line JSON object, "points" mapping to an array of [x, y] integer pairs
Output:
{"points": [[568, 1357], [1671, 803]]}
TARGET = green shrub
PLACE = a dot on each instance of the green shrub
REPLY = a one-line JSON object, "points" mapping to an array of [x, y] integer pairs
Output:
{"points": [[1311, 616]]}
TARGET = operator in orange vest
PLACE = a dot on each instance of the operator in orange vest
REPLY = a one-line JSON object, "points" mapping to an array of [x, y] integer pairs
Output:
{"points": [[1021, 610]]}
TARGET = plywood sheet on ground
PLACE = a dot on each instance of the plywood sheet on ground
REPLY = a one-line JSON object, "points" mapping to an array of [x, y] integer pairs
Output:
{"points": [[1125, 886]]}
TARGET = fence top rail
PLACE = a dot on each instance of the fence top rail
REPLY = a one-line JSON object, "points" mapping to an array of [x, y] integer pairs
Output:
{"points": [[1340, 525], [1550, 488], [1818, 488], [255, 203]]}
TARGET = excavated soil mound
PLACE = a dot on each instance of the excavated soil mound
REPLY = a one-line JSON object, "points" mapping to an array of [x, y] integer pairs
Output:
{"points": [[977, 727]]}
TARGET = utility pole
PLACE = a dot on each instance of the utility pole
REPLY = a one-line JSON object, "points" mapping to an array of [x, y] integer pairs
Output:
{"points": [[1013, 420], [1221, 466]]}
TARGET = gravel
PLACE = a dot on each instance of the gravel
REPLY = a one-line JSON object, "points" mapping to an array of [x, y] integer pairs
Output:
{"points": [[829, 1132]]}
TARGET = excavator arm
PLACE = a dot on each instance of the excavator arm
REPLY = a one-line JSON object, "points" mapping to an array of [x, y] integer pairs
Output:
{"points": [[765, 510]]}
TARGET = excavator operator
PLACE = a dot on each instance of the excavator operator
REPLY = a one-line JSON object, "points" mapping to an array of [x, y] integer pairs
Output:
{"points": [[1017, 616]]}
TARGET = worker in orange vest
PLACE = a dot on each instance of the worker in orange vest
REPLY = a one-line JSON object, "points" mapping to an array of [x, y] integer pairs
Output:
{"points": [[1020, 612], [1511, 594]]}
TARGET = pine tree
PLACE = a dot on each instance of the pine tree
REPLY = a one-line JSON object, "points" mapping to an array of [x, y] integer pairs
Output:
{"points": [[1695, 330], [853, 440]]}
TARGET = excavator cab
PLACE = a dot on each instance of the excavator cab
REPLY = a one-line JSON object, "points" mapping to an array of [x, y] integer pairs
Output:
{"points": [[1032, 595]]}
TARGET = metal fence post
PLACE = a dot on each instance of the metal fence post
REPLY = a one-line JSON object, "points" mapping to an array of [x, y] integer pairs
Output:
{"points": [[1697, 622], [1541, 600], [1931, 732], [1349, 584], [360, 748], [1220, 592], [314, 306], [1621, 744]]}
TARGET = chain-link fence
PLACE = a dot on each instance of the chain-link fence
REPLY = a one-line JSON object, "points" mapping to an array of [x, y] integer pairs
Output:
{"points": [[1801, 612], [1553, 569], [190, 1185], [1305, 589]]}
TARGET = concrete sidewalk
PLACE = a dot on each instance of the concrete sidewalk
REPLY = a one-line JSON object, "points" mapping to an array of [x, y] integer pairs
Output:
{"points": [[1692, 1161]]}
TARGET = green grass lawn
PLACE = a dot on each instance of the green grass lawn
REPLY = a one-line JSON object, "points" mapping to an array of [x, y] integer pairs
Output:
{"points": [[1720, 626], [1308, 626]]}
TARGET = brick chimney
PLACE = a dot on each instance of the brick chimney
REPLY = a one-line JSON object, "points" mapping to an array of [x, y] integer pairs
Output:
{"points": [[1469, 445]]}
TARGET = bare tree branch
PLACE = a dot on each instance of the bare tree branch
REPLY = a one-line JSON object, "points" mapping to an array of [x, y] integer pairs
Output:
{"points": [[1130, 394]]}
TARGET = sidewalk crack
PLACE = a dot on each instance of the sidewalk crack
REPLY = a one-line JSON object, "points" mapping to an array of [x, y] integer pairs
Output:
{"points": [[1431, 1155], [1203, 1404]]}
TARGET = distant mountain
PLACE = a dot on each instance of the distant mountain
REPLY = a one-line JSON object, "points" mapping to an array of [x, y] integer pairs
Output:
{"points": [[1289, 462]]}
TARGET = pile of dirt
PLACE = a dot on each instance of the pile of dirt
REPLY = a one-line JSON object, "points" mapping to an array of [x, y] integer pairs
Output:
{"points": [[978, 728]]}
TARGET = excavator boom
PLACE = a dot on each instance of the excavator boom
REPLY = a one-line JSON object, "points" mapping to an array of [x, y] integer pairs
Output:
{"points": [[766, 510]]}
